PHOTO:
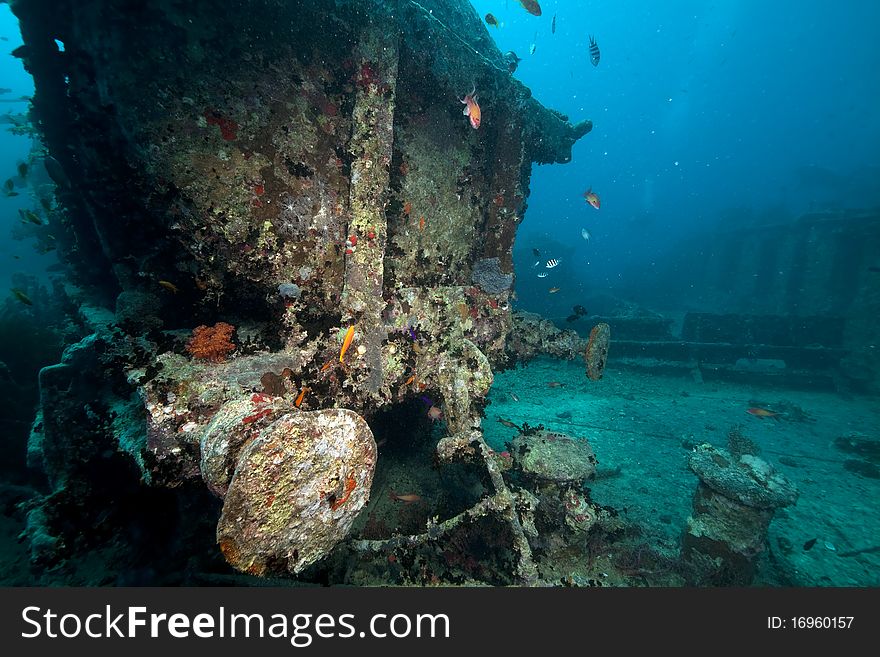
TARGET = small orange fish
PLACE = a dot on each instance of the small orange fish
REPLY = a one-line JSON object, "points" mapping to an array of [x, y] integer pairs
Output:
{"points": [[408, 498], [553, 290], [762, 413], [409, 380], [421, 223], [349, 335], [302, 394], [592, 198], [327, 366], [171, 287], [407, 207], [472, 109], [435, 413]]}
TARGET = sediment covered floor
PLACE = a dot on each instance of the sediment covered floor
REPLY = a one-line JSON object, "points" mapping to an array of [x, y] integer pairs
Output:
{"points": [[647, 424]]}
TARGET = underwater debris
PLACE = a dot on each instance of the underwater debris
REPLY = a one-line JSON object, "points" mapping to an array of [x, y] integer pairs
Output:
{"points": [[297, 488], [597, 351], [551, 456], [211, 343], [735, 501], [259, 196]]}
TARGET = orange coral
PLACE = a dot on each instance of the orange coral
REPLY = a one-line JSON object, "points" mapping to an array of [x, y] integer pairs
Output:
{"points": [[211, 343]]}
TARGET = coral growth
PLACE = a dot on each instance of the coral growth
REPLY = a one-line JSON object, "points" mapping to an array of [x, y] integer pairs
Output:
{"points": [[211, 343], [597, 351], [739, 444]]}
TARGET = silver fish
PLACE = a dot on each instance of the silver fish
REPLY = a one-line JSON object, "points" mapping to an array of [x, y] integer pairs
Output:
{"points": [[543, 274], [585, 234]]}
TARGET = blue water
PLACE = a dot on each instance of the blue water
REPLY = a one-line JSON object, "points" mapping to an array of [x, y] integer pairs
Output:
{"points": [[14, 149], [704, 113]]}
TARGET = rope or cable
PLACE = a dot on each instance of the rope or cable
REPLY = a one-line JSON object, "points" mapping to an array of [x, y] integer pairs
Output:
{"points": [[449, 30]]}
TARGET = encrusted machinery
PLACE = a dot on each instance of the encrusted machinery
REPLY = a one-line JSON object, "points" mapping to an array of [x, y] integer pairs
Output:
{"points": [[294, 170]]}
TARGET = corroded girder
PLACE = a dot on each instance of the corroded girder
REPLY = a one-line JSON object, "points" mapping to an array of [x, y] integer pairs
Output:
{"points": [[371, 144]]}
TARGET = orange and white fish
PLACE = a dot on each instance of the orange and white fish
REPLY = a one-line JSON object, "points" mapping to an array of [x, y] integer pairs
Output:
{"points": [[762, 413], [435, 413], [472, 108], [408, 498], [592, 198]]}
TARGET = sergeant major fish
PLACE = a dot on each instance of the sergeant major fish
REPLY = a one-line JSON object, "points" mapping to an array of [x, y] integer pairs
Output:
{"points": [[594, 52]]}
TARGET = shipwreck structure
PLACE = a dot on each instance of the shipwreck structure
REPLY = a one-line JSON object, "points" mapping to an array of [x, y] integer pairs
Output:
{"points": [[277, 222]]}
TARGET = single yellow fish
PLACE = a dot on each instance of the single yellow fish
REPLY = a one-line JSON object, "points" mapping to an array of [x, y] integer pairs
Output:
{"points": [[171, 287], [349, 335]]}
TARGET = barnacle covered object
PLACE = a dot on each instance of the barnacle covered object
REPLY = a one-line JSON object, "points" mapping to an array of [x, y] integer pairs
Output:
{"points": [[297, 488], [293, 169]]}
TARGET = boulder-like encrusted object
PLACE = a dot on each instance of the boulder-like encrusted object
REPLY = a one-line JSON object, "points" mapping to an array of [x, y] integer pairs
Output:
{"points": [[750, 480], [234, 424], [297, 488], [533, 335], [732, 510], [554, 456], [597, 351]]}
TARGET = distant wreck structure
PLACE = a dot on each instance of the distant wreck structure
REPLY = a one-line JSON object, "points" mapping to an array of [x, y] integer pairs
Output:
{"points": [[302, 173]]}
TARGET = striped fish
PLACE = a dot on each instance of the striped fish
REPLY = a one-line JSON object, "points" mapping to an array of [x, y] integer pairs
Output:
{"points": [[543, 274], [551, 263], [594, 51]]}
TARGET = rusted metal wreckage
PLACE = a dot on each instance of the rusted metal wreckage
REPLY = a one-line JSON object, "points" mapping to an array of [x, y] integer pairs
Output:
{"points": [[292, 169]]}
